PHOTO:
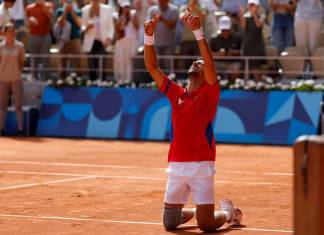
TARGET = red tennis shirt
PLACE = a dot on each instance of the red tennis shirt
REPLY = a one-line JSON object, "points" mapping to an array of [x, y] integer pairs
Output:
{"points": [[192, 137]]}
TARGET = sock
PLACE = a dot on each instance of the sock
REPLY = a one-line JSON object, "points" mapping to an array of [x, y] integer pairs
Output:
{"points": [[228, 215], [194, 211]]}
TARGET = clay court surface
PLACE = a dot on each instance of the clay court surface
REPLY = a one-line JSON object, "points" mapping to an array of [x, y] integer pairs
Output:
{"points": [[58, 186]]}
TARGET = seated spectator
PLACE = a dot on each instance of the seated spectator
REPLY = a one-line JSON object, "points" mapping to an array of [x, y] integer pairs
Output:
{"points": [[98, 28], [12, 57], [126, 41], [189, 44], [68, 16], [227, 43], [39, 15], [283, 24], [253, 44], [308, 22], [167, 15]]}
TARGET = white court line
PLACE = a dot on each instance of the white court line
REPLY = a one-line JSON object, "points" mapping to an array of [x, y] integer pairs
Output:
{"points": [[126, 167], [72, 164], [45, 183], [135, 177], [82, 175], [125, 222]]}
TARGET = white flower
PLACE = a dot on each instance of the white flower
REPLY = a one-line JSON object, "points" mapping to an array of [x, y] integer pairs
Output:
{"points": [[260, 85], [69, 78], [49, 82], [285, 87], [172, 76], [318, 86], [268, 80], [246, 87], [224, 83], [293, 84], [79, 79], [237, 86], [73, 75], [89, 83], [239, 81], [231, 87], [60, 82], [310, 82], [251, 83], [300, 84], [267, 87], [71, 82]]}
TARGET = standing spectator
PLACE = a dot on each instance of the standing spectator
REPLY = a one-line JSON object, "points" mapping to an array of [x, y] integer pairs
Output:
{"points": [[39, 15], [12, 56], [167, 16], [5, 15], [188, 44], [98, 28], [126, 41], [70, 14], [18, 14], [283, 24], [232, 7], [253, 44], [227, 43], [141, 8], [179, 26], [308, 21], [211, 7]]}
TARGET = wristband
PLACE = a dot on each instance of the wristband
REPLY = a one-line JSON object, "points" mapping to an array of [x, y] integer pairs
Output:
{"points": [[148, 40], [199, 34]]}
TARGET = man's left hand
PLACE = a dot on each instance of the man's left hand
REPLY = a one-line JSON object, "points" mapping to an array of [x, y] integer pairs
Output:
{"points": [[191, 20]]}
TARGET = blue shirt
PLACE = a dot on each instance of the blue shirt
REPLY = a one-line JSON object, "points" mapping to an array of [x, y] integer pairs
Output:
{"points": [[309, 10], [164, 36], [75, 30]]}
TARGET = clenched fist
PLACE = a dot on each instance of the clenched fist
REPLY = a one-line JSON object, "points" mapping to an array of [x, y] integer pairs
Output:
{"points": [[150, 25], [191, 20]]}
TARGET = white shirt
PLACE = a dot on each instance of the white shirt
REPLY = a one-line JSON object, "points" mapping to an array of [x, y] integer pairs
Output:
{"points": [[96, 22], [192, 169], [5, 16], [18, 10]]}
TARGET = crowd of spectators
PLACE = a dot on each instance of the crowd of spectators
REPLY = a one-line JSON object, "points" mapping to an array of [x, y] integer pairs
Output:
{"points": [[97, 27]]}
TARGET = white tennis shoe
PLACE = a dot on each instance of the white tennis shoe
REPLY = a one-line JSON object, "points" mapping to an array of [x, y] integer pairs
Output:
{"points": [[227, 205]]}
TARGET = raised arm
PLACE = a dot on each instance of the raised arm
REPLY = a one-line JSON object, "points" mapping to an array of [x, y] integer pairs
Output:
{"points": [[150, 57], [194, 24]]}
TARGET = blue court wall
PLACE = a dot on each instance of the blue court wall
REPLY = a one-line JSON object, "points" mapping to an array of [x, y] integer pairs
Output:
{"points": [[274, 117]]}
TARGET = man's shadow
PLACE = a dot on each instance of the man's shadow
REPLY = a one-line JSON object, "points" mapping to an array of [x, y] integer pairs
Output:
{"points": [[188, 230]]}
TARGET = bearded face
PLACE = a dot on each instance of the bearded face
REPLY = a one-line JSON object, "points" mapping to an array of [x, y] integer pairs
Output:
{"points": [[196, 69]]}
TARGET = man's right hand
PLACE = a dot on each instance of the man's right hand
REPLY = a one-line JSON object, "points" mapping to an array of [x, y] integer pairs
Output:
{"points": [[150, 25], [68, 8], [33, 20]]}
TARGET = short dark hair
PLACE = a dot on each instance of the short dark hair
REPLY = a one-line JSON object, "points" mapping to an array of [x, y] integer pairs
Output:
{"points": [[8, 26], [13, 1]]}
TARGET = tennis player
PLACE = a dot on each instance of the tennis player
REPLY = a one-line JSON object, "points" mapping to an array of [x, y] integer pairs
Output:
{"points": [[192, 151]]}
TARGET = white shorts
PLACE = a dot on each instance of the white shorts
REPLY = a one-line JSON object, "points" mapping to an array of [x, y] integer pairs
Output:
{"points": [[192, 177]]}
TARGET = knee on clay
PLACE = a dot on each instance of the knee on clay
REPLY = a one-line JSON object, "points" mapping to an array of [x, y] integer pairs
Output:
{"points": [[171, 218]]}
